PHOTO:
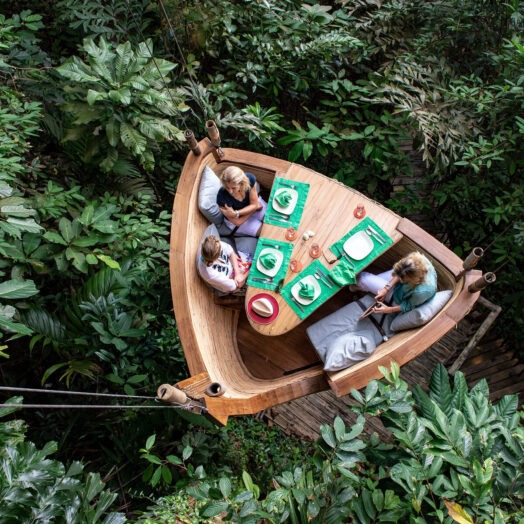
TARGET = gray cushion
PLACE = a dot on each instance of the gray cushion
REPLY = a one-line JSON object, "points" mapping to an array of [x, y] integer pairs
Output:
{"points": [[348, 349], [342, 339], [421, 314], [207, 196], [207, 200]]}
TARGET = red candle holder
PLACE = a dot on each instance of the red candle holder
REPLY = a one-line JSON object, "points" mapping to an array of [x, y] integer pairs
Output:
{"points": [[359, 211], [291, 233], [315, 251], [295, 266]]}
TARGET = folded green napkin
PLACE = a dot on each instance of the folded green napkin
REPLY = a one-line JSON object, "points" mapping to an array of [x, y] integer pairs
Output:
{"points": [[306, 291], [342, 274], [284, 198], [268, 260]]}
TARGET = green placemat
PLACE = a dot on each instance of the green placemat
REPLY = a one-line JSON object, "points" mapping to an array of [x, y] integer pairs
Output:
{"points": [[275, 218], [259, 279], [378, 247], [325, 291]]}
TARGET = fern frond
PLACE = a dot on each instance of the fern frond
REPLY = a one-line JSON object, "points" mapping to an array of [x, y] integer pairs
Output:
{"points": [[132, 138], [124, 54], [134, 187]]}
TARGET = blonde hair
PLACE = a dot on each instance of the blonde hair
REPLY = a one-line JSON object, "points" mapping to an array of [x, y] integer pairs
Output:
{"points": [[412, 269], [211, 249], [235, 175]]}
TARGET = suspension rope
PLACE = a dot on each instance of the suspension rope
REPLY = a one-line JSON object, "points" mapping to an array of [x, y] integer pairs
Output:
{"points": [[82, 393], [182, 58], [511, 224], [80, 406], [186, 406]]}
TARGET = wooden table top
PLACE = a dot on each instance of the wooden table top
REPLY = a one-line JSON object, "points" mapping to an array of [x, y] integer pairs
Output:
{"points": [[329, 214]]}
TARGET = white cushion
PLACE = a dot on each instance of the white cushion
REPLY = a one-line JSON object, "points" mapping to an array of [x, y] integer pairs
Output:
{"points": [[207, 196], [421, 314]]}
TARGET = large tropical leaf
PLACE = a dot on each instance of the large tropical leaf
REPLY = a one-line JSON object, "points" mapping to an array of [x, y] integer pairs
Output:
{"points": [[14, 289], [440, 389]]}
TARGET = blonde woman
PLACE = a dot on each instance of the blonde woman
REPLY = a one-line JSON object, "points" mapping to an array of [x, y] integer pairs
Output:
{"points": [[411, 283], [221, 267], [240, 203]]}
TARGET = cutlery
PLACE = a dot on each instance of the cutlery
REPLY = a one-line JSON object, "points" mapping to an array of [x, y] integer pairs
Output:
{"points": [[292, 186], [274, 246], [299, 305], [345, 256], [280, 218], [326, 276], [280, 215], [371, 233], [373, 230], [321, 279], [265, 280]]}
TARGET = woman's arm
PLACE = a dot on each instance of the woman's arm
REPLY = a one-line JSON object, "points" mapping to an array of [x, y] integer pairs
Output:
{"points": [[240, 216], [240, 277], [381, 295]]}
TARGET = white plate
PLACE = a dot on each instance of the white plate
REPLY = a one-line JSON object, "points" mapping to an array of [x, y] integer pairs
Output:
{"points": [[273, 271], [295, 290], [359, 245], [292, 203]]}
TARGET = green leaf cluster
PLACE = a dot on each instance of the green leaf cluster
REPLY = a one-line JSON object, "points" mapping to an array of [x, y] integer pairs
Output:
{"points": [[120, 100], [453, 456], [36, 488]]}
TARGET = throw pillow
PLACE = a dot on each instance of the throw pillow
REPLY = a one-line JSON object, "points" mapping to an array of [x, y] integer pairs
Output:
{"points": [[207, 196], [421, 314], [346, 350]]}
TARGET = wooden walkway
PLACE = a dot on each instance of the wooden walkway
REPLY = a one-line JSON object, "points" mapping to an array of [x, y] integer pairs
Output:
{"points": [[489, 360]]}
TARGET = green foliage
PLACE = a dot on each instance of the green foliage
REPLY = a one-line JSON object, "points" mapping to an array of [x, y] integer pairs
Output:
{"points": [[120, 101], [117, 20], [454, 455], [338, 85], [36, 488]]}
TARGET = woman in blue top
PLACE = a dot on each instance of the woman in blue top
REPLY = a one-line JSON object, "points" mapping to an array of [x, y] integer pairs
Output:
{"points": [[411, 283], [239, 201]]}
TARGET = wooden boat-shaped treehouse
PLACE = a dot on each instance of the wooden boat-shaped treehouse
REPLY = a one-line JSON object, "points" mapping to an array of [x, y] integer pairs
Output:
{"points": [[239, 366]]}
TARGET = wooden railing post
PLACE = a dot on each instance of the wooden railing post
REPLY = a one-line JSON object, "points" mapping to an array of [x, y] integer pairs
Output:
{"points": [[192, 142], [214, 137], [471, 261], [482, 282]]}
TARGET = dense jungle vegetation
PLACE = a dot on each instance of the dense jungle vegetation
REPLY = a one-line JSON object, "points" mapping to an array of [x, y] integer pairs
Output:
{"points": [[94, 98]]}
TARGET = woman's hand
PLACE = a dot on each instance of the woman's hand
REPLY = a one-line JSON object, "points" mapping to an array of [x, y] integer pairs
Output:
{"points": [[240, 279], [228, 212], [381, 295], [384, 309]]}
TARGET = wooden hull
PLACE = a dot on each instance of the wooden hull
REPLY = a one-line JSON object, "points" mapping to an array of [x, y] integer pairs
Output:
{"points": [[256, 371]]}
